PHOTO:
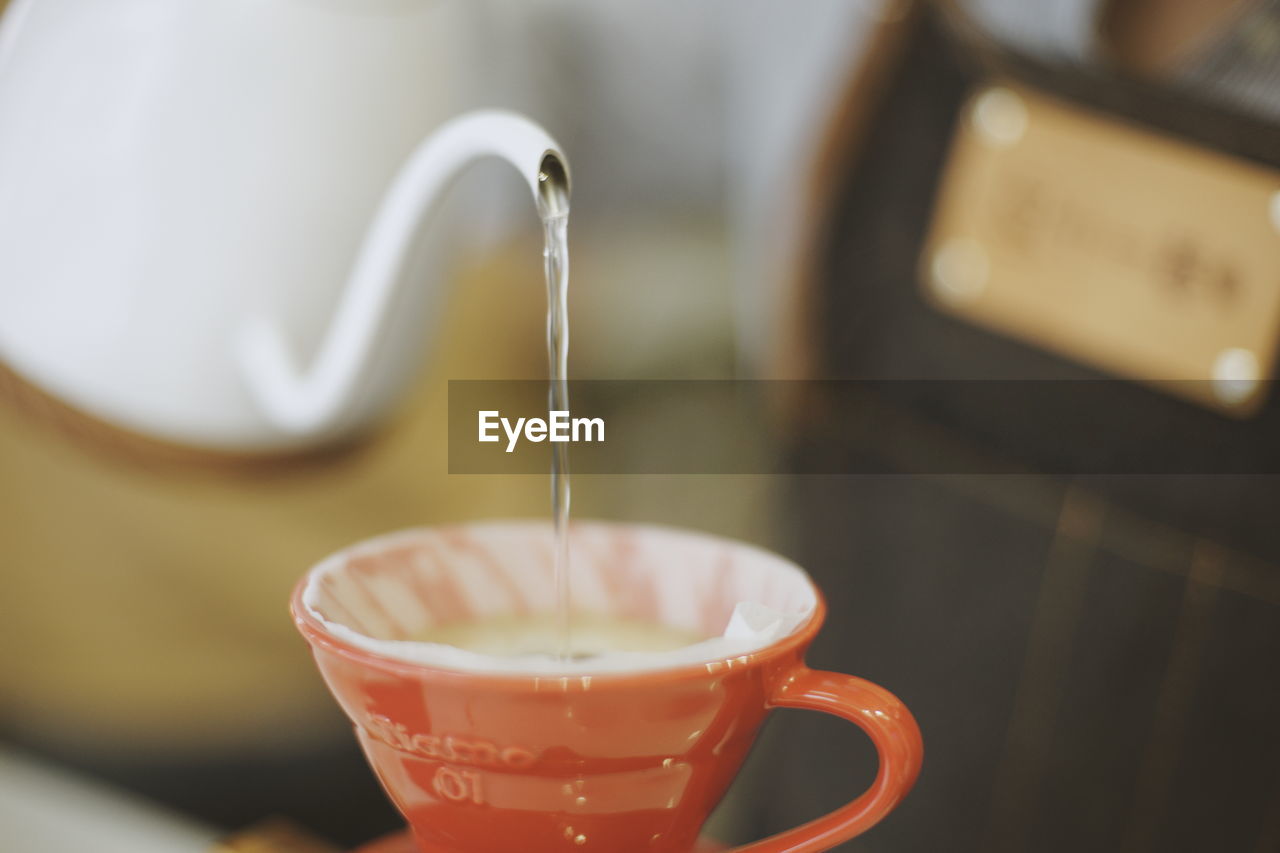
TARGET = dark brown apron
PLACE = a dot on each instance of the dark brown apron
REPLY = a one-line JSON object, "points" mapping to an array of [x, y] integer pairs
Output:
{"points": [[1094, 658]]}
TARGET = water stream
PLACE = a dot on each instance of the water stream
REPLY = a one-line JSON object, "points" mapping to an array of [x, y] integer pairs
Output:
{"points": [[555, 253]]}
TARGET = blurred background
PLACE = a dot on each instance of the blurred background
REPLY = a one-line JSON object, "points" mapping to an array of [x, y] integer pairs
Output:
{"points": [[1071, 191]]}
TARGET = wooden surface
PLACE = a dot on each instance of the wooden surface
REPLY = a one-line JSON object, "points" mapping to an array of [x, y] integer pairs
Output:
{"points": [[146, 599], [273, 836], [402, 843]]}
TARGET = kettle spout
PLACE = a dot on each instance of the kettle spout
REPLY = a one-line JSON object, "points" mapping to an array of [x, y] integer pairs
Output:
{"points": [[316, 400]]}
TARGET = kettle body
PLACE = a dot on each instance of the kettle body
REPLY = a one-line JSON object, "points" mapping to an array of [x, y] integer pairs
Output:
{"points": [[171, 167]]}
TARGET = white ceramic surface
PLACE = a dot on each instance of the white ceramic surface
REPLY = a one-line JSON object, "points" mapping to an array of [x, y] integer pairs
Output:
{"points": [[47, 810]]}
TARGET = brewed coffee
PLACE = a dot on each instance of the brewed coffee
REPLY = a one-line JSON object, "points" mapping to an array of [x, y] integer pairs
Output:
{"points": [[594, 634]]}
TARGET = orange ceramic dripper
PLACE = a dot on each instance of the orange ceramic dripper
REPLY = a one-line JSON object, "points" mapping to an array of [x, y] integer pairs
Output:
{"points": [[613, 761]]}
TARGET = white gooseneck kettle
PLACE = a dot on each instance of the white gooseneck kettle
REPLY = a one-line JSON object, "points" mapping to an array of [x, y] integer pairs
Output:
{"points": [[208, 208]]}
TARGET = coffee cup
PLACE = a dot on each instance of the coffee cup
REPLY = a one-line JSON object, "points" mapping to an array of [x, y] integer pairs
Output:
{"points": [[624, 753]]}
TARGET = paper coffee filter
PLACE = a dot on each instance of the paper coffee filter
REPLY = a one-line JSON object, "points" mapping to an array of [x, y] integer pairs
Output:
{"points": [[381, 594]]}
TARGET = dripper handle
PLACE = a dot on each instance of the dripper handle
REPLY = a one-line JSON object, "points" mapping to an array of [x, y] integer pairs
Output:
{"points": [[891, 728]]}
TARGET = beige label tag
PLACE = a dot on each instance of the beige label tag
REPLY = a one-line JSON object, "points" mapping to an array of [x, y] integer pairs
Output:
{"points": [[1137, 254]]}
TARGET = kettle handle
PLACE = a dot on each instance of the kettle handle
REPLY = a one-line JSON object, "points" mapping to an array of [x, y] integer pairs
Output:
{"points": [[311, 401]]}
